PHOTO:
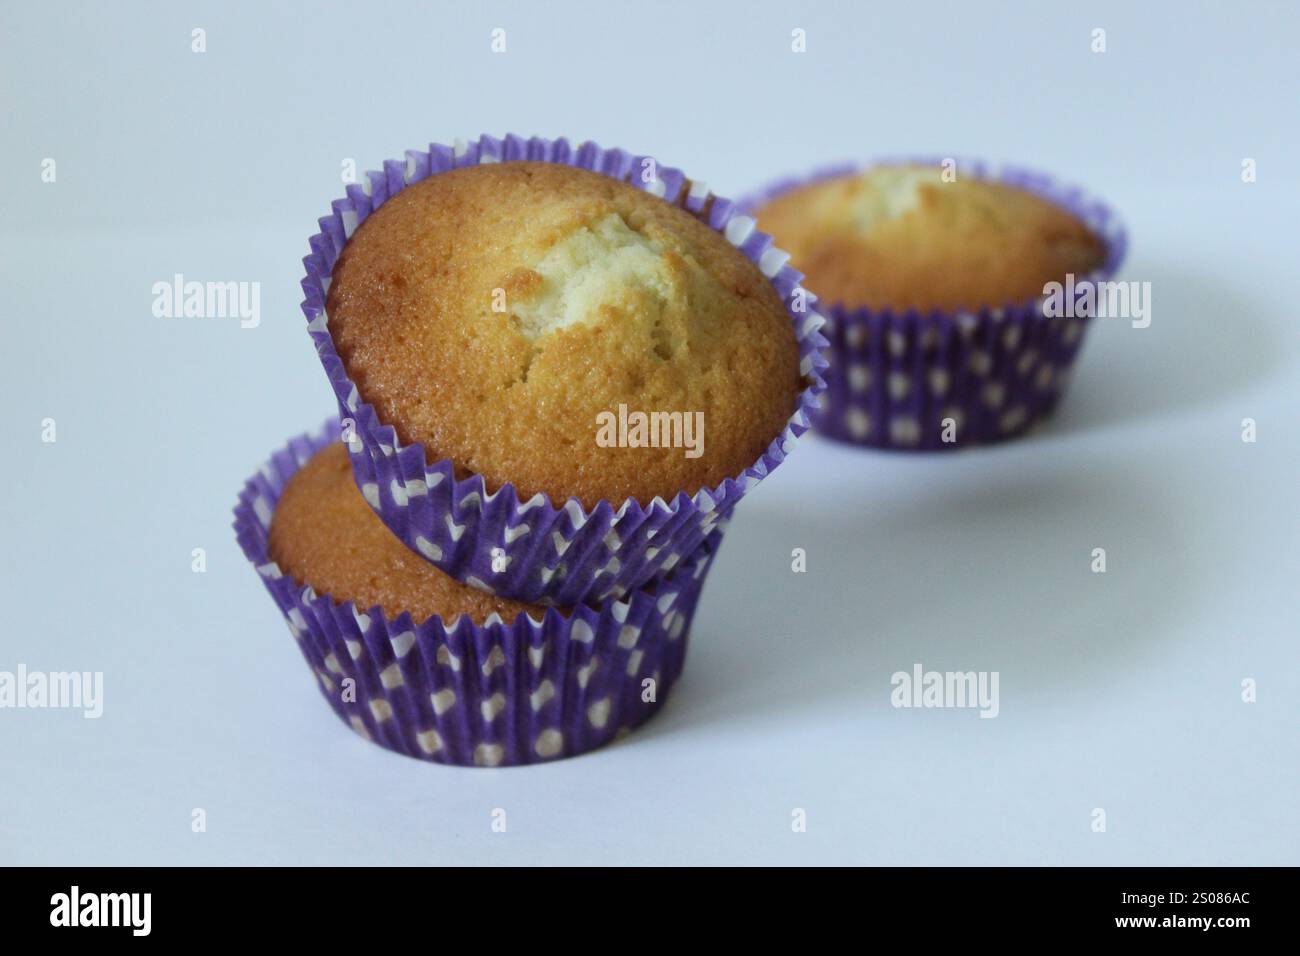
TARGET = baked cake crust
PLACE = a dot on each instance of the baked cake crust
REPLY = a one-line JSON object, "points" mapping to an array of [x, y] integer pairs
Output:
{"points": [[323, 534], [495, 313], [900, 237]]}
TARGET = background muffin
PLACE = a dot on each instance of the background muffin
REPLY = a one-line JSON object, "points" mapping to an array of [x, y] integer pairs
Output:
{"points": [[942, 332], [323, 534], [493, 312], [900, 237]]}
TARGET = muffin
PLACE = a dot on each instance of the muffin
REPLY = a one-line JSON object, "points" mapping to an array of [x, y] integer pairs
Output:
{"points": [[934, 292], [324, 535], [559, 367], [497, 314], [431, 668], [899, 237]]}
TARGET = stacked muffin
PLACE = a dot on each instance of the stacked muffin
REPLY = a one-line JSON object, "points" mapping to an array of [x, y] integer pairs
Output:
{"points": [[557, 371], [933, 277]]}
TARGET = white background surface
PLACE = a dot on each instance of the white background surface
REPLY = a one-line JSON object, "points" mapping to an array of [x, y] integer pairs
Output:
{"points": [[1119, 691]]}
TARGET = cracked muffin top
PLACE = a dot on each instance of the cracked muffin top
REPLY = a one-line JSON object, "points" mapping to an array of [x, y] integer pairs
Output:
{"points": [[900, 237], [323, 534], [501, 314]]}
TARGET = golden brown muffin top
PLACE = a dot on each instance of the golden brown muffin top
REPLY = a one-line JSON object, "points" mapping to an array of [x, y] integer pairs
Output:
{"points": [[493, 312], [901, 237], [324, 534]]}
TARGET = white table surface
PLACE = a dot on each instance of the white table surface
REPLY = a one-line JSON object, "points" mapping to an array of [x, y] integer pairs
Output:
{"points": [[1119, 691]]}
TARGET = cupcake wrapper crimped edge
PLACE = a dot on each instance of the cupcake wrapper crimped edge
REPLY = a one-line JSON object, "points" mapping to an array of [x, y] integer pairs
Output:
{"points": [[909, 379], [500, 694], [531, 550]]}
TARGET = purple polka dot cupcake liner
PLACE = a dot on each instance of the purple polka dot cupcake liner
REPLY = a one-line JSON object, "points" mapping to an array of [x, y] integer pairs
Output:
{"points": [[942, 380], [502, 693], [532, 549]]}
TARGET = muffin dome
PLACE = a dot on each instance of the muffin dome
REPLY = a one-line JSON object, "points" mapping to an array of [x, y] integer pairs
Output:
{"points": [[323, 534], [900, 237], [500, 314]]}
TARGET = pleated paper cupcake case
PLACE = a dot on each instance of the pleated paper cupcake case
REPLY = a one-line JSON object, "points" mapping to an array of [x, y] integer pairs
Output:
{"points": [[531, 550], [500, 694], [909, 380]]}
